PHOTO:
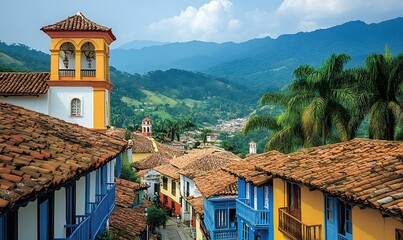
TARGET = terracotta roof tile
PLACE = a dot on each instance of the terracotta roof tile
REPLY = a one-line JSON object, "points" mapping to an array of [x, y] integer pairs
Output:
{"points": [[168, 170], [217, 183], [27, 84], [77, 22], [125, 192], [127, 223], [246, 168], [364, 171], [48, 155], [206, 161], [160, 156], [197, 204]]}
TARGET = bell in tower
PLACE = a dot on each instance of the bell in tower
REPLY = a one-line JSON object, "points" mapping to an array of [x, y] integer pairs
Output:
{"points": [[79, 84]]}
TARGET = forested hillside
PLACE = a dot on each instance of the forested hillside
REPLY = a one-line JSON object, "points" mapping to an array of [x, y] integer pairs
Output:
{"points": [[266, 64]]}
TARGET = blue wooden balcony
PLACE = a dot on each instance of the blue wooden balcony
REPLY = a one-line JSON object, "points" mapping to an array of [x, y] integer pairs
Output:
{"points": [[259, 219], [88, 226]]}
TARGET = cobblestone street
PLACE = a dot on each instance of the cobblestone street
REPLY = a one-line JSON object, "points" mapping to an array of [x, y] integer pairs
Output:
{"points": [[173, 232]]}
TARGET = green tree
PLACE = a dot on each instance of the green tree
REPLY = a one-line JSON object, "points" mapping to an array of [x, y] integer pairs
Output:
{"points": [[127, 171], [383, 83], [156, 217], [323, 92]]}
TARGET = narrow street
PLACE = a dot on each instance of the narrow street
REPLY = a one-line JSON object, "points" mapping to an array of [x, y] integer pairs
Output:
{"points": [[173, 232]]}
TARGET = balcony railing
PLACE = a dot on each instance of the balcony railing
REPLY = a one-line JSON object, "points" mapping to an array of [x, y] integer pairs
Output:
{"points": [[89, 225], [224, 234], [258, 218], [295, 229], [342, 237], [67, 72], [88, 73]]}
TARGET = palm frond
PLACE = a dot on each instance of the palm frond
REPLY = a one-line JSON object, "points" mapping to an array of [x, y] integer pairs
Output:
{"points": [[260, 122], [285, 140], [278, 98]]}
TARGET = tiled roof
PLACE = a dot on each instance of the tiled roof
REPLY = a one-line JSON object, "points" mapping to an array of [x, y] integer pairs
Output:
{"points": [[127, 223], [38, 154], [141, 144], [364, 171], [77, 22], [197, 204], [168, 170], [216, 183], [161, 157], [125, 192], [246, 168], [28, 84], [211, 159]]}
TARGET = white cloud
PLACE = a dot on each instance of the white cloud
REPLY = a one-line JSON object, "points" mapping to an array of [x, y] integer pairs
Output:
{"points": [[209, 22]]}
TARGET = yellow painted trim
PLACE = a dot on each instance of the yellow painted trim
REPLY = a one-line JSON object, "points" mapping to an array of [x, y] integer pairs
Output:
{"points": [[99, 108]]}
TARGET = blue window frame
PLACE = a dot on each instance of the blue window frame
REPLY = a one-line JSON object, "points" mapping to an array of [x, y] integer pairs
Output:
{"points": [[245, 232], [118, 168], [338, 218], [70, 206], [45, 217], [87, 192]]}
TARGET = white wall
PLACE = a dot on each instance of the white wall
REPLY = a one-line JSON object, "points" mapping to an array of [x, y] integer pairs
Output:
{"points": [[38, 104], [80, 196], [27, 221], [59, 104], [60, 213], [150, 178]]}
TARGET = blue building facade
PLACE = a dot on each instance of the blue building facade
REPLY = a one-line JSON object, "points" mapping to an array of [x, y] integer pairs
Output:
{"points": [[220, 217], [254, 208]]}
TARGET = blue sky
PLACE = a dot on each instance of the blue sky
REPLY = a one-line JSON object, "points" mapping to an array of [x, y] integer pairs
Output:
{"points": [[185, 20]]}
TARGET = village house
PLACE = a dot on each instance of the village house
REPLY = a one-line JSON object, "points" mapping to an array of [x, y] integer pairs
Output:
{"points": [[345, 191], [55, 184], [219, 192], [129, 220]]}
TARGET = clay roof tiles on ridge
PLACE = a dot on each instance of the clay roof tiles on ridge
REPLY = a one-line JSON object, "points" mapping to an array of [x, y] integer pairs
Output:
{"points": [[247, 171], [23, 84], [364, 171], [37, 153], [217, 183], [77, 22]]}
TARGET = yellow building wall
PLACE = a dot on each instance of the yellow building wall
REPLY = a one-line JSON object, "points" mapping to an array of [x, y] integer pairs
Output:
{"points": [[369, 224], [139, 156], [279, 201], [99, 108], [169, 187], [312, 208], [199, 235]]}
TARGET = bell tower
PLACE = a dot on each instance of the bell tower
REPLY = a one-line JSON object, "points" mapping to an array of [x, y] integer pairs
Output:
{"points": [[79, 84], [146, 127]]}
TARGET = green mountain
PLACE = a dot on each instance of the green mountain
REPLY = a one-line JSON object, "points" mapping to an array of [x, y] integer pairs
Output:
{"points": [[177, 94], [19, 57], [264, 64]]}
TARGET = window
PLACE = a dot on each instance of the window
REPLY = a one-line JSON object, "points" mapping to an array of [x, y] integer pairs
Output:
{"points": [[329, 209], [70, 206], [165, 183], [173, 187], [232, 217], [136, 199], [9, 226], [75, 107], [245, 232], [399, 234], [247, 191], [221, 218], [187, 189], [45, 217], [294, 199], [344, 219], [266, 197]]}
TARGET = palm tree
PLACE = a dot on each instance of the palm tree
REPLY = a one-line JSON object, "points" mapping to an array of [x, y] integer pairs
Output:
{"points": [[384, 84], [173, 129], [322, 90]]}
